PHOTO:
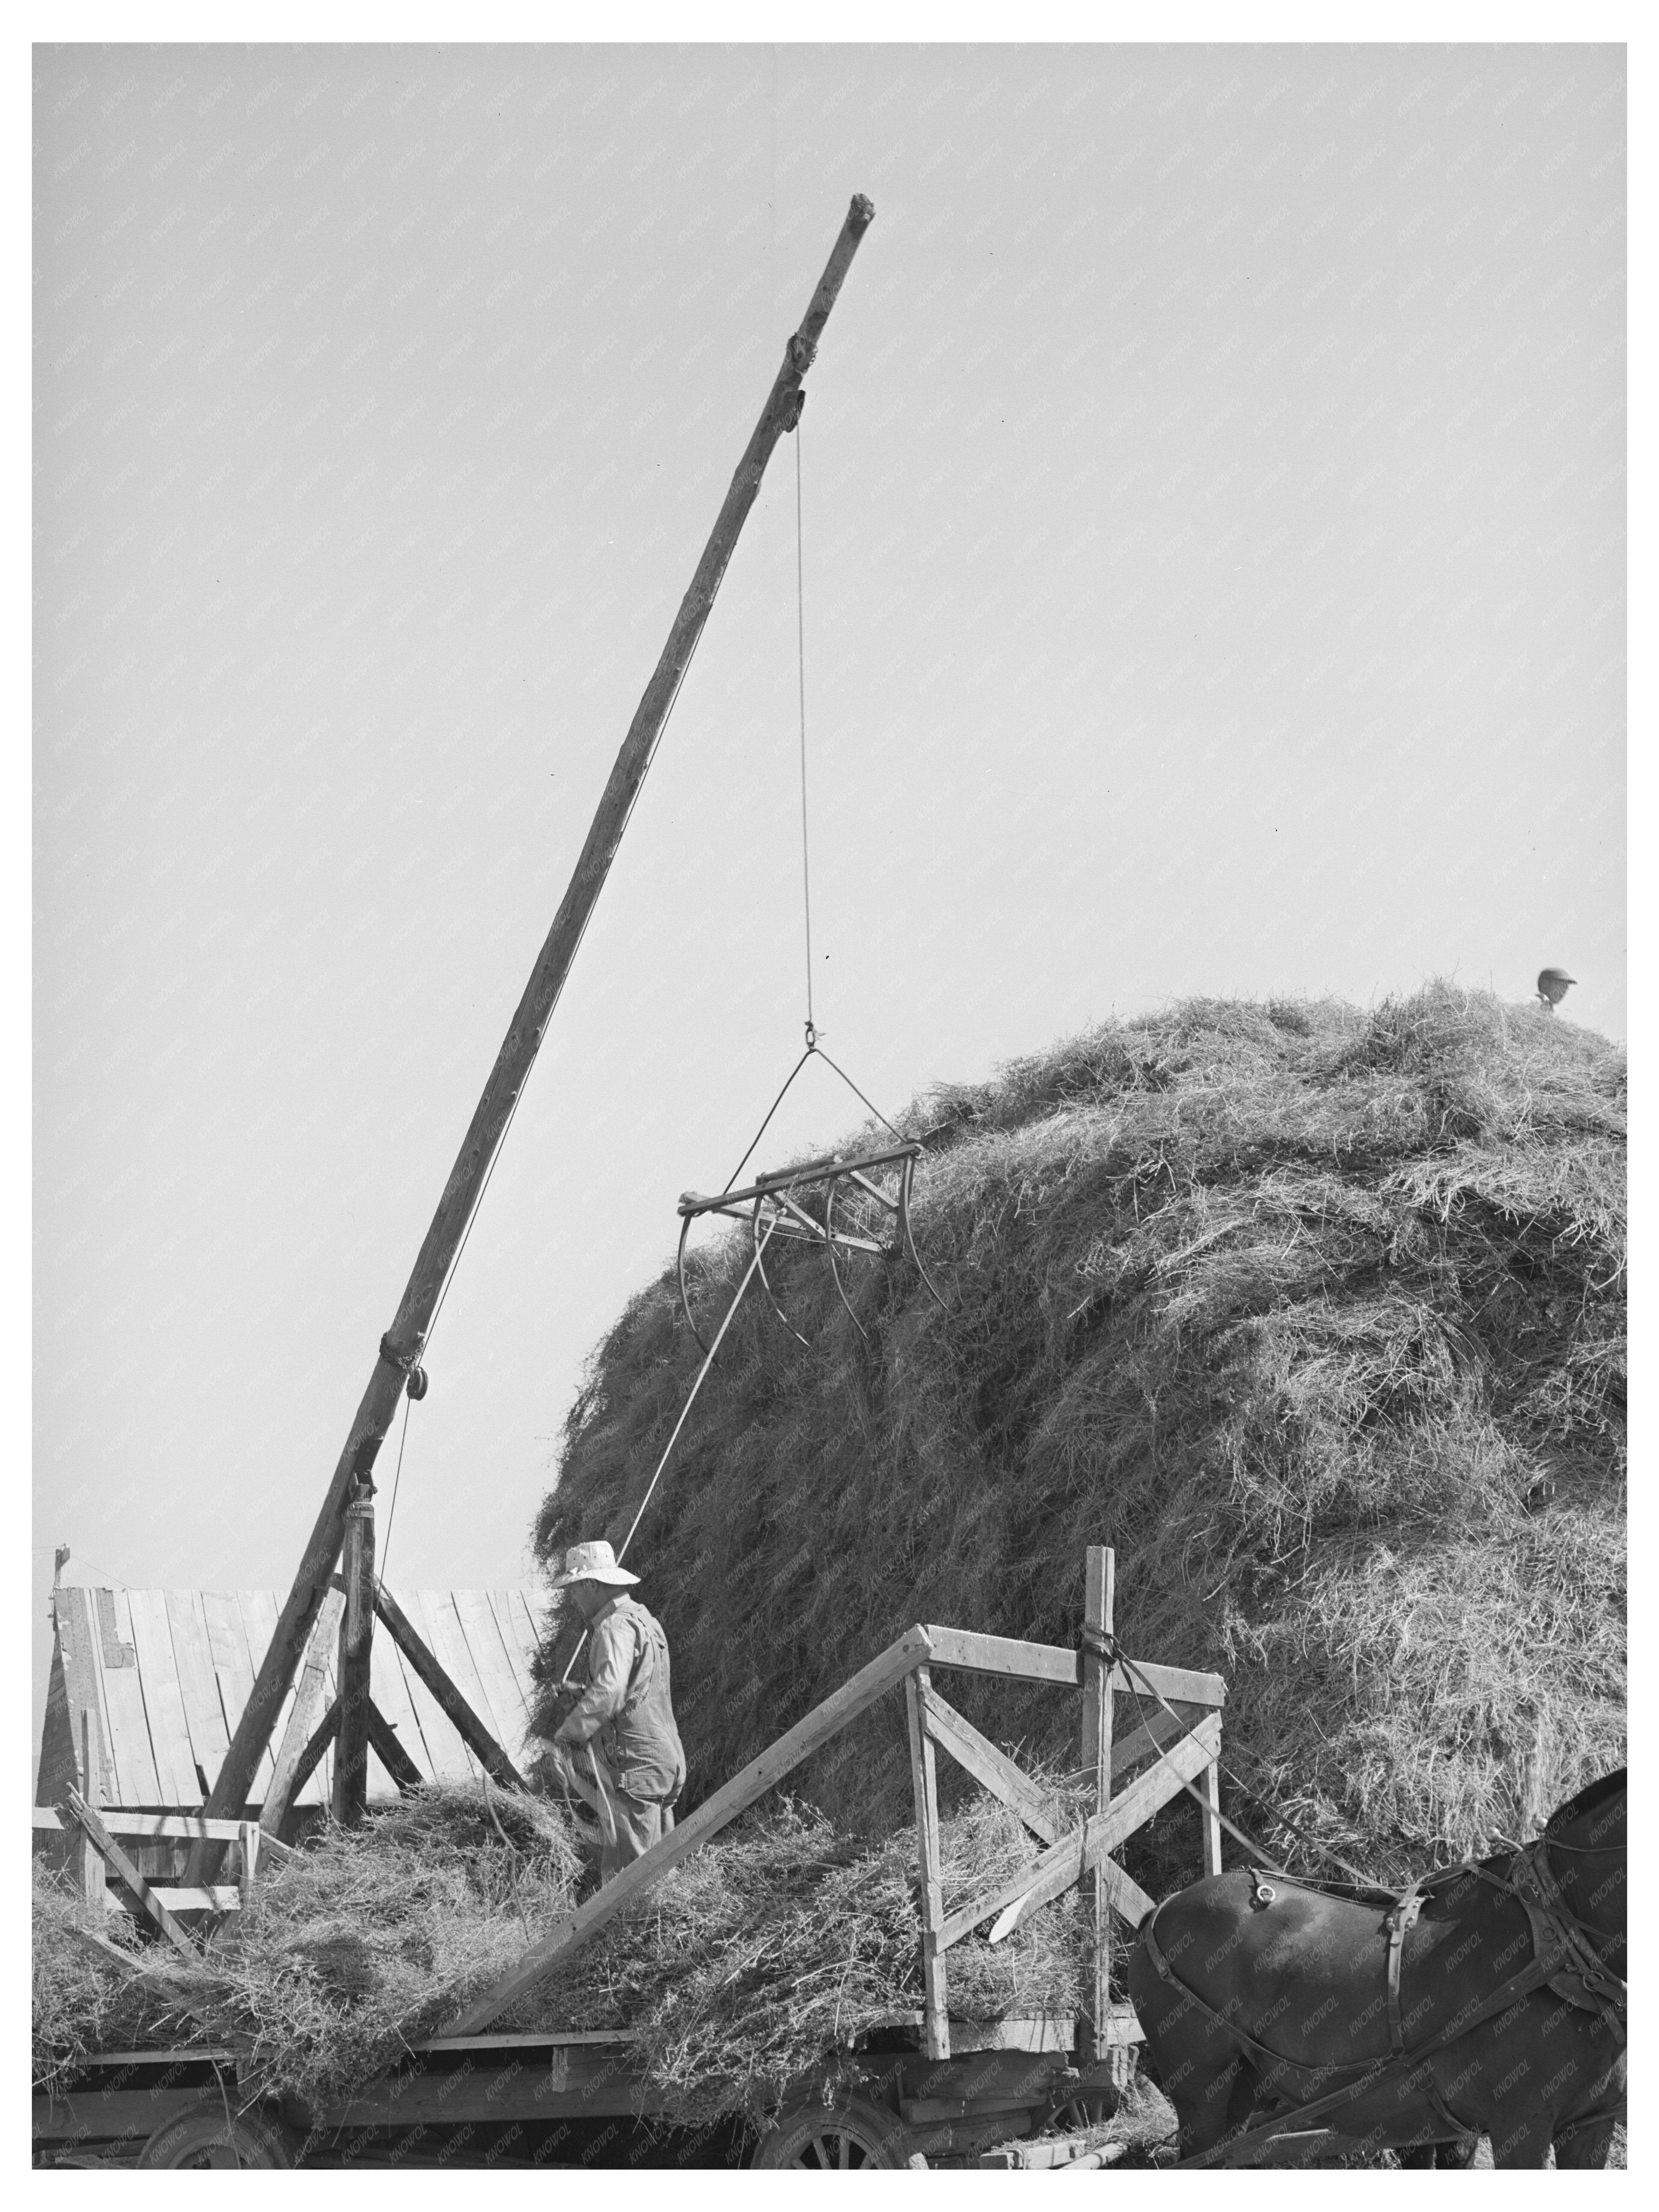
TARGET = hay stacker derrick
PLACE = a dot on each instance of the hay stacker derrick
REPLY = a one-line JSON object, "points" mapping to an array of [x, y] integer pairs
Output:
{"points": [[929, 2087]]}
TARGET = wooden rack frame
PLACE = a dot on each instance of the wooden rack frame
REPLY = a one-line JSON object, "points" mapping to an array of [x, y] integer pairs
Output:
{"points": [[934, 1725]]}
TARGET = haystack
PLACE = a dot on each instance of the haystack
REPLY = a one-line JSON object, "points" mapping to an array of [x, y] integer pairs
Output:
{"points": [[1316, 1314]]}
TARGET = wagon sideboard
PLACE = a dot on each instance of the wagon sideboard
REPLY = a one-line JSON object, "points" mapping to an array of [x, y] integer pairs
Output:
{"points": [[1004, 2079]]}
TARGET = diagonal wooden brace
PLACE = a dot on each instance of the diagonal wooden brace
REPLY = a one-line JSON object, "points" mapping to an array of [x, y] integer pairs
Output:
{"points": [[1088, 1846], [472, 1731], [383, 1742], [991, 1768], [123, 1867], [287, 1780], [324, 1734], [750, 1782]]}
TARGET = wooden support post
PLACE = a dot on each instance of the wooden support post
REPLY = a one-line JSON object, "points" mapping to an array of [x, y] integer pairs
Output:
{"points": [[1210, 1782], [356, 1641], [936, 2006], [1098, 1590], [402, 1344], [287, 1780], [247, 1872], [92, 1859]]}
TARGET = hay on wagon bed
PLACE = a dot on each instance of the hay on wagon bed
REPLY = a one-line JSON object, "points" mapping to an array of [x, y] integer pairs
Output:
{"points": [[1316, 1314], [79, 2003], [745, 1969]]}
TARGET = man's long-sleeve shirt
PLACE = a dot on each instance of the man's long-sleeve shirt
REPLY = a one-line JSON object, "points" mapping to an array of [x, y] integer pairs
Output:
{"points": [[627, 1703]]}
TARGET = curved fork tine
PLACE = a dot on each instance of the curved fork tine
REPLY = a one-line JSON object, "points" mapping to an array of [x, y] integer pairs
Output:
{"points": [[830, 1248], [910, 1235], [685, 1295], [760, 1265]]}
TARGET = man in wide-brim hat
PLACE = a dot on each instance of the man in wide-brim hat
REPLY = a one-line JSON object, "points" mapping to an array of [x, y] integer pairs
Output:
{"points": [[625, 1716]]}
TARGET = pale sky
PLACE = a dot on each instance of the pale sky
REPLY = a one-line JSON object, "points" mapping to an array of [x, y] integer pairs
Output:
{"points": [[1214, 558]]}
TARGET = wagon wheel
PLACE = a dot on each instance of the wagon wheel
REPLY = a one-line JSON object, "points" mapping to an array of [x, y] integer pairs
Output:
{"points": [[819, 2140], [207, 2136]]}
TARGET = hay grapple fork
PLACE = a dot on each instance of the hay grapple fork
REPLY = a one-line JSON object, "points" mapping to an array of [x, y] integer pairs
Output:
{"points": [[771, 1207]]}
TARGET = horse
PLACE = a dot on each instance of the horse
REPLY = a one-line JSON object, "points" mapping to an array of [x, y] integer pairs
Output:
{"points": [[1487, 1999]]}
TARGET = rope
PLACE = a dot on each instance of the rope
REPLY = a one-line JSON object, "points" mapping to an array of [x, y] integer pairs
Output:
{"points": [[391, 1511], [1111, 1650], [770, 1111], [691, 1399], [800, 645], [858, 1094]]}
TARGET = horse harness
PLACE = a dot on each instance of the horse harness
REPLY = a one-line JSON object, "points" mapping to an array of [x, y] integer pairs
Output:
{"points": [[1565, 1959]]}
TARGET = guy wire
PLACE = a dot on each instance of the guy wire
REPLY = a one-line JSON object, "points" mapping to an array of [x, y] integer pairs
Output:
{"points": [[800, 663]]}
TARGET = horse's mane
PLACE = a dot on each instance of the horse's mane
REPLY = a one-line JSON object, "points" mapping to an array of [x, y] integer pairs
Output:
{"points": [[1592, 1795]]}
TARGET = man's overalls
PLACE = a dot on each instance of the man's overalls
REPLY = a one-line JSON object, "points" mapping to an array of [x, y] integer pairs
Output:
{"points": [[625, 1715]]}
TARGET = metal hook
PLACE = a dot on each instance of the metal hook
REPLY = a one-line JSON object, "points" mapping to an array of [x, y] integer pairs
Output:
{"points": [[909, 1238], [759, 1264], [829, 1247], [685, 1295]]}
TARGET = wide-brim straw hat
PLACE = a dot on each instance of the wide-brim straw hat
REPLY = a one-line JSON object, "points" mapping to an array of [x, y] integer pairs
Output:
{"points": [[592, 1563]]}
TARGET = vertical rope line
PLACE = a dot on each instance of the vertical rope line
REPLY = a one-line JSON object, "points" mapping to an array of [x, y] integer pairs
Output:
{"points": [[800, 663], [691, 1399], [391, 1510]]}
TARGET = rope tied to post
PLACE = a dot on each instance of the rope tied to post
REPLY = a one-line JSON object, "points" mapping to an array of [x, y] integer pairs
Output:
{"points": [[408, 1364]]}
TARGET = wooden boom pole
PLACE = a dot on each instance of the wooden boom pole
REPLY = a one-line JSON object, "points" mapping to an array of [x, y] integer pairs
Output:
{"points": [[401, 1347]]}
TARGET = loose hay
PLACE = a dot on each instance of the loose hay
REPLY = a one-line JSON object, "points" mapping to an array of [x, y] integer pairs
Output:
{"points": [[1316, 1314], [761, 1957], [757, 1959], [79, 2004]]}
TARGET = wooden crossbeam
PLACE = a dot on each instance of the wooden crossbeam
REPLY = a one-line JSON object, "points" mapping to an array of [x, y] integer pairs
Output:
{"points": [[156, 1827], [123, 1867], [149, 1826], [750, 1782], [204, 1897], [991, 1768], [1089, 1846], [1004, 1654], [1057, 1664]]}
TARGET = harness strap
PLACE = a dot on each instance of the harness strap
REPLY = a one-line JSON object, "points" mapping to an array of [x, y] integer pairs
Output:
{"points": [[1378, 2070], [1404, 1916], [1540, 1972]]}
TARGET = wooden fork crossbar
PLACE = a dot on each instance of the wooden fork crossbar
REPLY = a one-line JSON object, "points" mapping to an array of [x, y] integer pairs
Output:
{"points": [[825, 1169]]}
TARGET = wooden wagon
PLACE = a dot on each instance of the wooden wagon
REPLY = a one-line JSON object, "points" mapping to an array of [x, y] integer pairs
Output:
{"points": [[925, 2086]]}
